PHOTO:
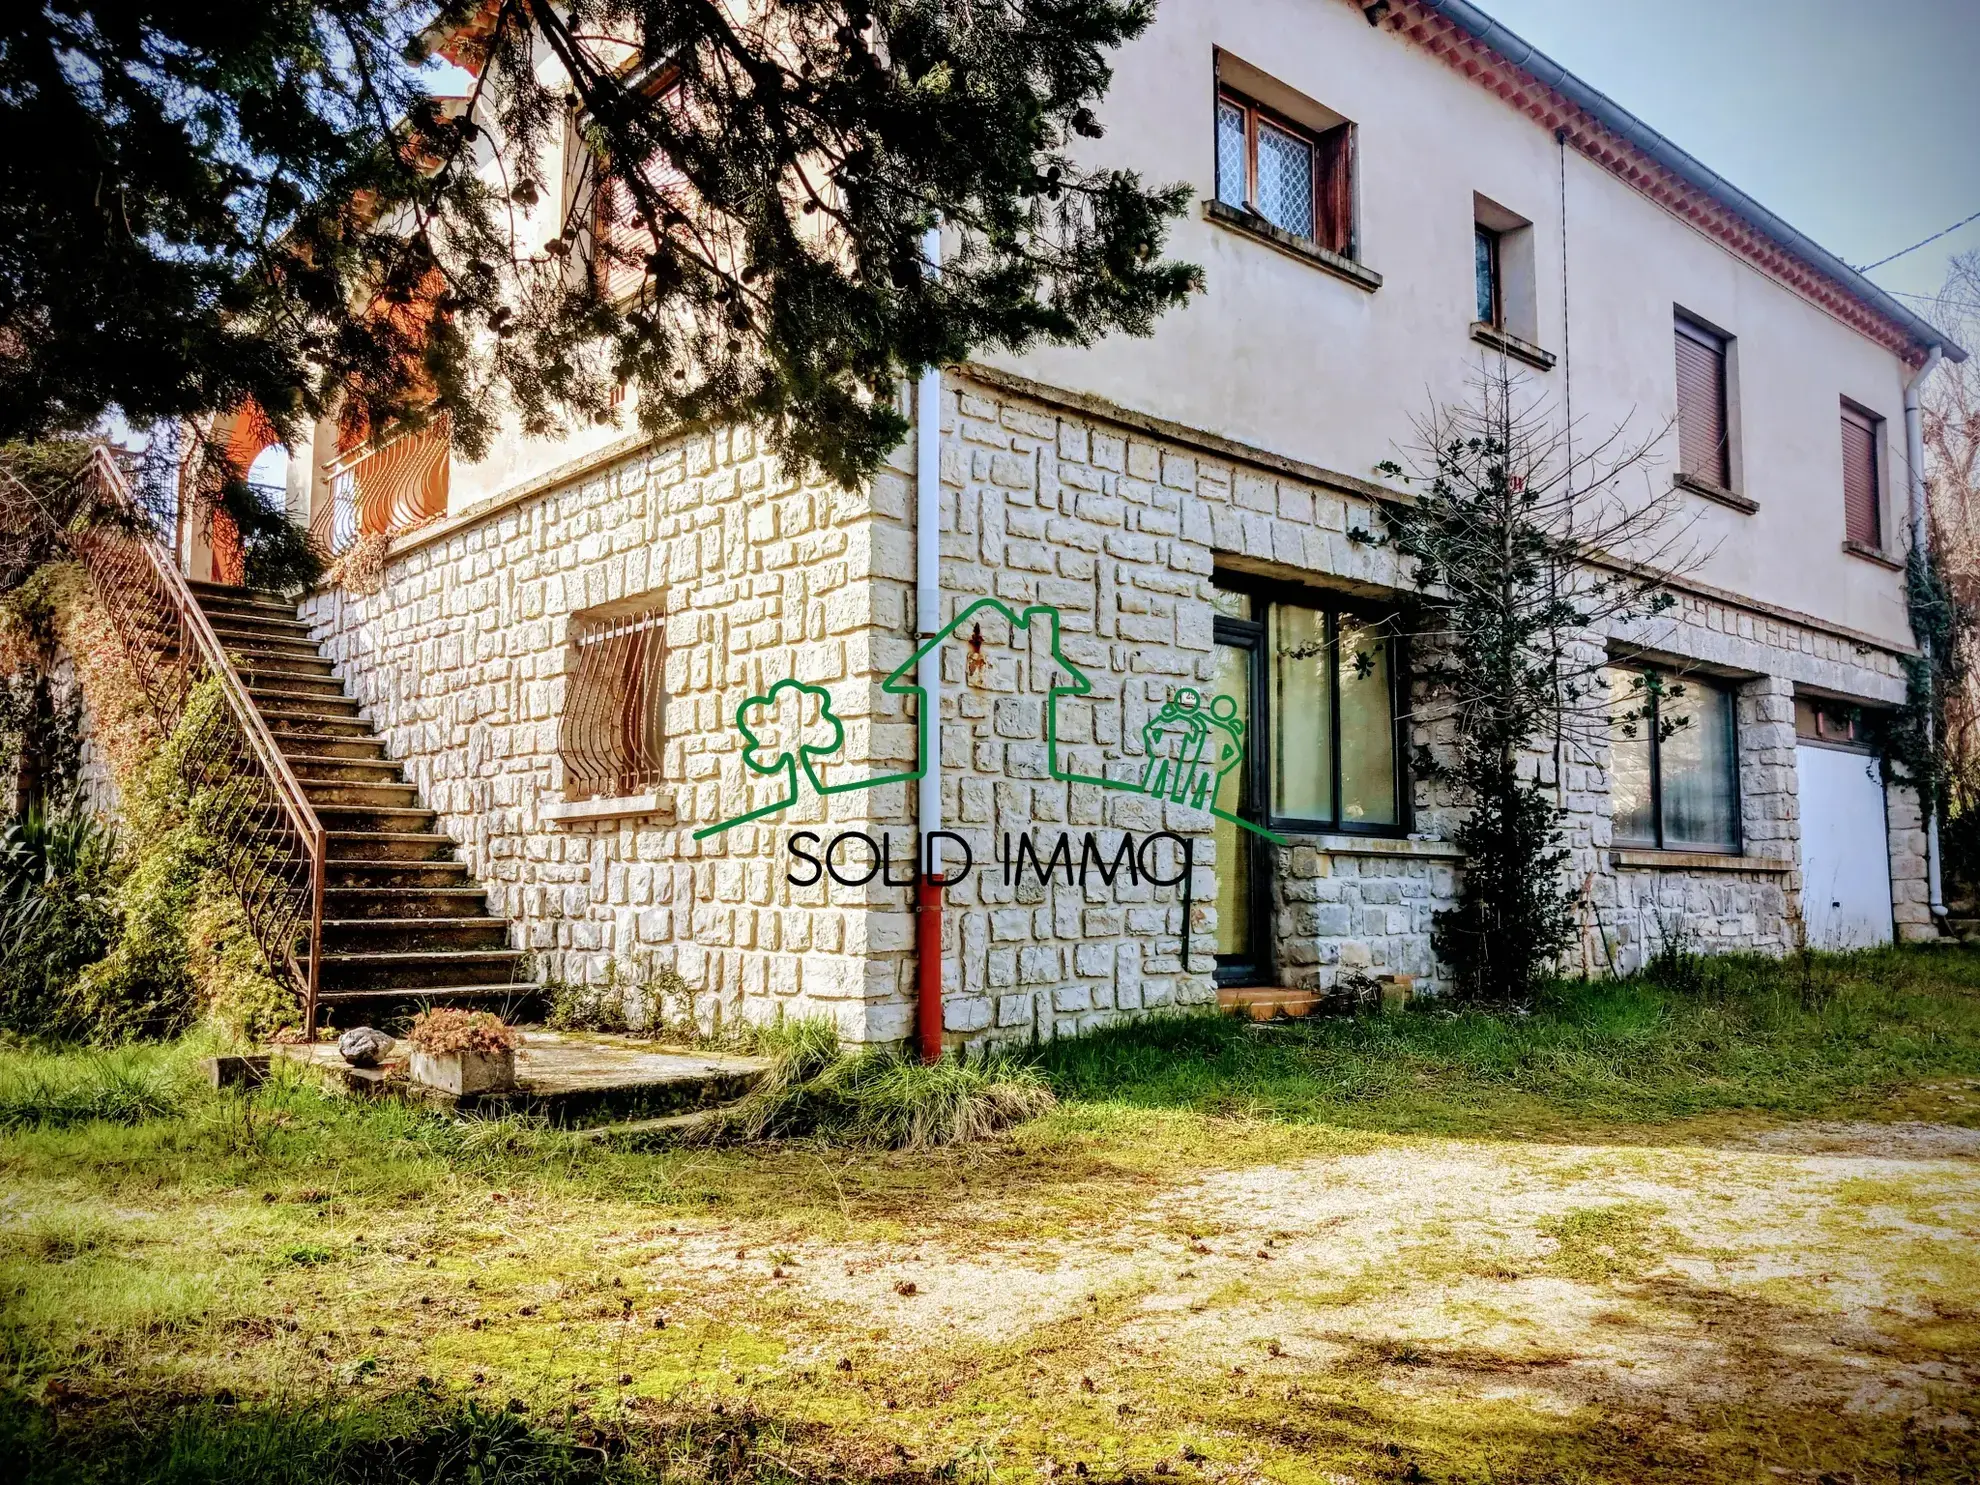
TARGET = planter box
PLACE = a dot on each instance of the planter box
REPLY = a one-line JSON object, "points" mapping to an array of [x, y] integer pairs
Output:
{"points": [[464, 1073]]}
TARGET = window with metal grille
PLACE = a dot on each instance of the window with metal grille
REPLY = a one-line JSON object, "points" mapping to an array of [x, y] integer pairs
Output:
{"points": [[1704, 435], [1863, 516], [614, 725], [1295, 179]]}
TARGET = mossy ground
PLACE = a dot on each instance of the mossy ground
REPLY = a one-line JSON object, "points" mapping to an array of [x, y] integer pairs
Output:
{"points": [[1724, 1235]]}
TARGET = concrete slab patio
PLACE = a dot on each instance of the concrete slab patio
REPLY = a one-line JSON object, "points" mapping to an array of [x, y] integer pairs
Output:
{"points": [[567, 1077]]}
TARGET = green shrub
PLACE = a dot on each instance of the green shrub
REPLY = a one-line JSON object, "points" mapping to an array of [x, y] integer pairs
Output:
{"points": [[234, 987], [58, 879]]}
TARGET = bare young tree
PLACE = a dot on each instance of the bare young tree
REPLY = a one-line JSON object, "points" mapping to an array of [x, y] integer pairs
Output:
{"points": [[1530, 552]]}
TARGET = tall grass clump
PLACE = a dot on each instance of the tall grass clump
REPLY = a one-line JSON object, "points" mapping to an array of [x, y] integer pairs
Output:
{"points": [[122, 1087], [877, 1099]]}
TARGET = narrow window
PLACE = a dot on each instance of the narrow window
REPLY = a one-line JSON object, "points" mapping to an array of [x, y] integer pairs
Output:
{"points": [[1491, 294], [1863, 517], [1704, 439], [614, 711], [1673, 770], [1295, 178], [621, 240]]}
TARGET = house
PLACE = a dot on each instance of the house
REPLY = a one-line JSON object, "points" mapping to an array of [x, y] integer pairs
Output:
{"points": [[1389, 197]]}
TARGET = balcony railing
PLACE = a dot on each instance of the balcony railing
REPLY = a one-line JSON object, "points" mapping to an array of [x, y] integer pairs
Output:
{"points": [[386, 487]]}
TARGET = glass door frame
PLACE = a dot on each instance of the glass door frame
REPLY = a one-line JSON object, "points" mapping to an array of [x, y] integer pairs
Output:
{"points": [[1254, 968]]}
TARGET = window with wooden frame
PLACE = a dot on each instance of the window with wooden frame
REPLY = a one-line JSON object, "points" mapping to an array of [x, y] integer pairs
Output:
{"points": [[1299, 180], [1863, 493], [1488, 272], [613, 730], [1704, 427], [1328, 678], [1673, 762]]}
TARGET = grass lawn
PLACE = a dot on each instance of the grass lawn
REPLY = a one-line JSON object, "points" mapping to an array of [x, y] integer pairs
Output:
{"points": [[1718, 1229]]}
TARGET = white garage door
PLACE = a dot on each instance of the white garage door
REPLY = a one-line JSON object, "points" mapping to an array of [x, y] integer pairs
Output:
{"points": [[1845, 849]]}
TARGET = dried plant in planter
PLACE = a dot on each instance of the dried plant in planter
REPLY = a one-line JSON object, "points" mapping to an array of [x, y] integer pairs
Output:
{"points": [[440, 1032]]}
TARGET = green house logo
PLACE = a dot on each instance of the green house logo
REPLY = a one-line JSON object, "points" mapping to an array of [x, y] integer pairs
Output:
{"points": [[791, 730]]}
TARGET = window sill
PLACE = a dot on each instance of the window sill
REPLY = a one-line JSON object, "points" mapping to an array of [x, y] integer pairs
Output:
{"points": [[1303, 248], [1511, 345], [1745, 505], [1696, 860], [616, 807], [1872, 554], [1373, 845]]}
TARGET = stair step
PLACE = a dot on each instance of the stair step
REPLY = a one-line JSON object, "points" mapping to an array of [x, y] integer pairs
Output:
{"points": [[326, 689], [252, 626], [316, 729], [233, 606], [298, 649], [360, 1007], [417, 969], [362, 818], [360, 793], [356, 847], [414, 935], [344, 747], [330, 767], [262, 663], [345, 904], [301, 703], [387, 874]]}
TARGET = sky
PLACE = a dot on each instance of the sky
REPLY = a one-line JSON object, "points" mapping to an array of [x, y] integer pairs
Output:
{"points": [[1857, 121]]}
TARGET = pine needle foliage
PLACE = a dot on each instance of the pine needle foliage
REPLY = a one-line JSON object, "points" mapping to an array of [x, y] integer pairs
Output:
{"points": [[267, 202]]}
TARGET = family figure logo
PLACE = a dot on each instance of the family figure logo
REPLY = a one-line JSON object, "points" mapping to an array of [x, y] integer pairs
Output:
{"points": [[791, 730]]}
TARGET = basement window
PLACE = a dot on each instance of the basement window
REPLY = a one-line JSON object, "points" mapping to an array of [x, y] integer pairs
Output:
{"points": [[613, 731]]}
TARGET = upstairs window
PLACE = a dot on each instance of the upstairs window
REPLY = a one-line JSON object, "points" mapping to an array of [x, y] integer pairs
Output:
{"points": [[1486, 268], [1673, 772], [1295, 178], [1863, 503], [622, 242], [613, 727], [1704, 430]]}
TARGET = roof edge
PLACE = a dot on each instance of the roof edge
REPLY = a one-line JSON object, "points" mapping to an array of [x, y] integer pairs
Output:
{"points": [[1522, 54]]}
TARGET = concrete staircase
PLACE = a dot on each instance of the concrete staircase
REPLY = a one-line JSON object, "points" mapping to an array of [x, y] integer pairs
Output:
{"points": [[404, 925]]}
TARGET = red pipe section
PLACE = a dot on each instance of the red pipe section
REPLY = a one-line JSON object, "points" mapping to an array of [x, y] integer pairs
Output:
{"points": [[928, 965]]}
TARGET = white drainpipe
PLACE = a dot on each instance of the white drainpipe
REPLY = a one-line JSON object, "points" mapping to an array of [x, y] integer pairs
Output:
{"points": [[928, 578], [1914, 447]]}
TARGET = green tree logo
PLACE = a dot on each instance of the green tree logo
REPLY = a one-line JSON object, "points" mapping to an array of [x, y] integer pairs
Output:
{"points": [[789, 729]]}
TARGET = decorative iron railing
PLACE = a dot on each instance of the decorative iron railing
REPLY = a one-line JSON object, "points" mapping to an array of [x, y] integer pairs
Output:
{"points": [[615, 708], [242, 795], [385, 487]]}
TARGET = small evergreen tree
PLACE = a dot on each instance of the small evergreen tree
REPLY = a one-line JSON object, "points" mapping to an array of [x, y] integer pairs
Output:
{"points": [[1528, 553]]}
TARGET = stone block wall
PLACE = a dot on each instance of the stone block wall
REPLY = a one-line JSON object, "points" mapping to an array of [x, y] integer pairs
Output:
{"points": [[463, 658]]}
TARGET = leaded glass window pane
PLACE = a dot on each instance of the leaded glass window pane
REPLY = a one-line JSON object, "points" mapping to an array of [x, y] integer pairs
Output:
{"points": [[1368, 733], [1302, 715], [1285, 180], [1230, 154]]}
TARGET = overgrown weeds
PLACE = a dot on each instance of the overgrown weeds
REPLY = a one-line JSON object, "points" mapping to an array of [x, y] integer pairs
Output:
{"points": [[56, 1092], [879, 1099]]}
